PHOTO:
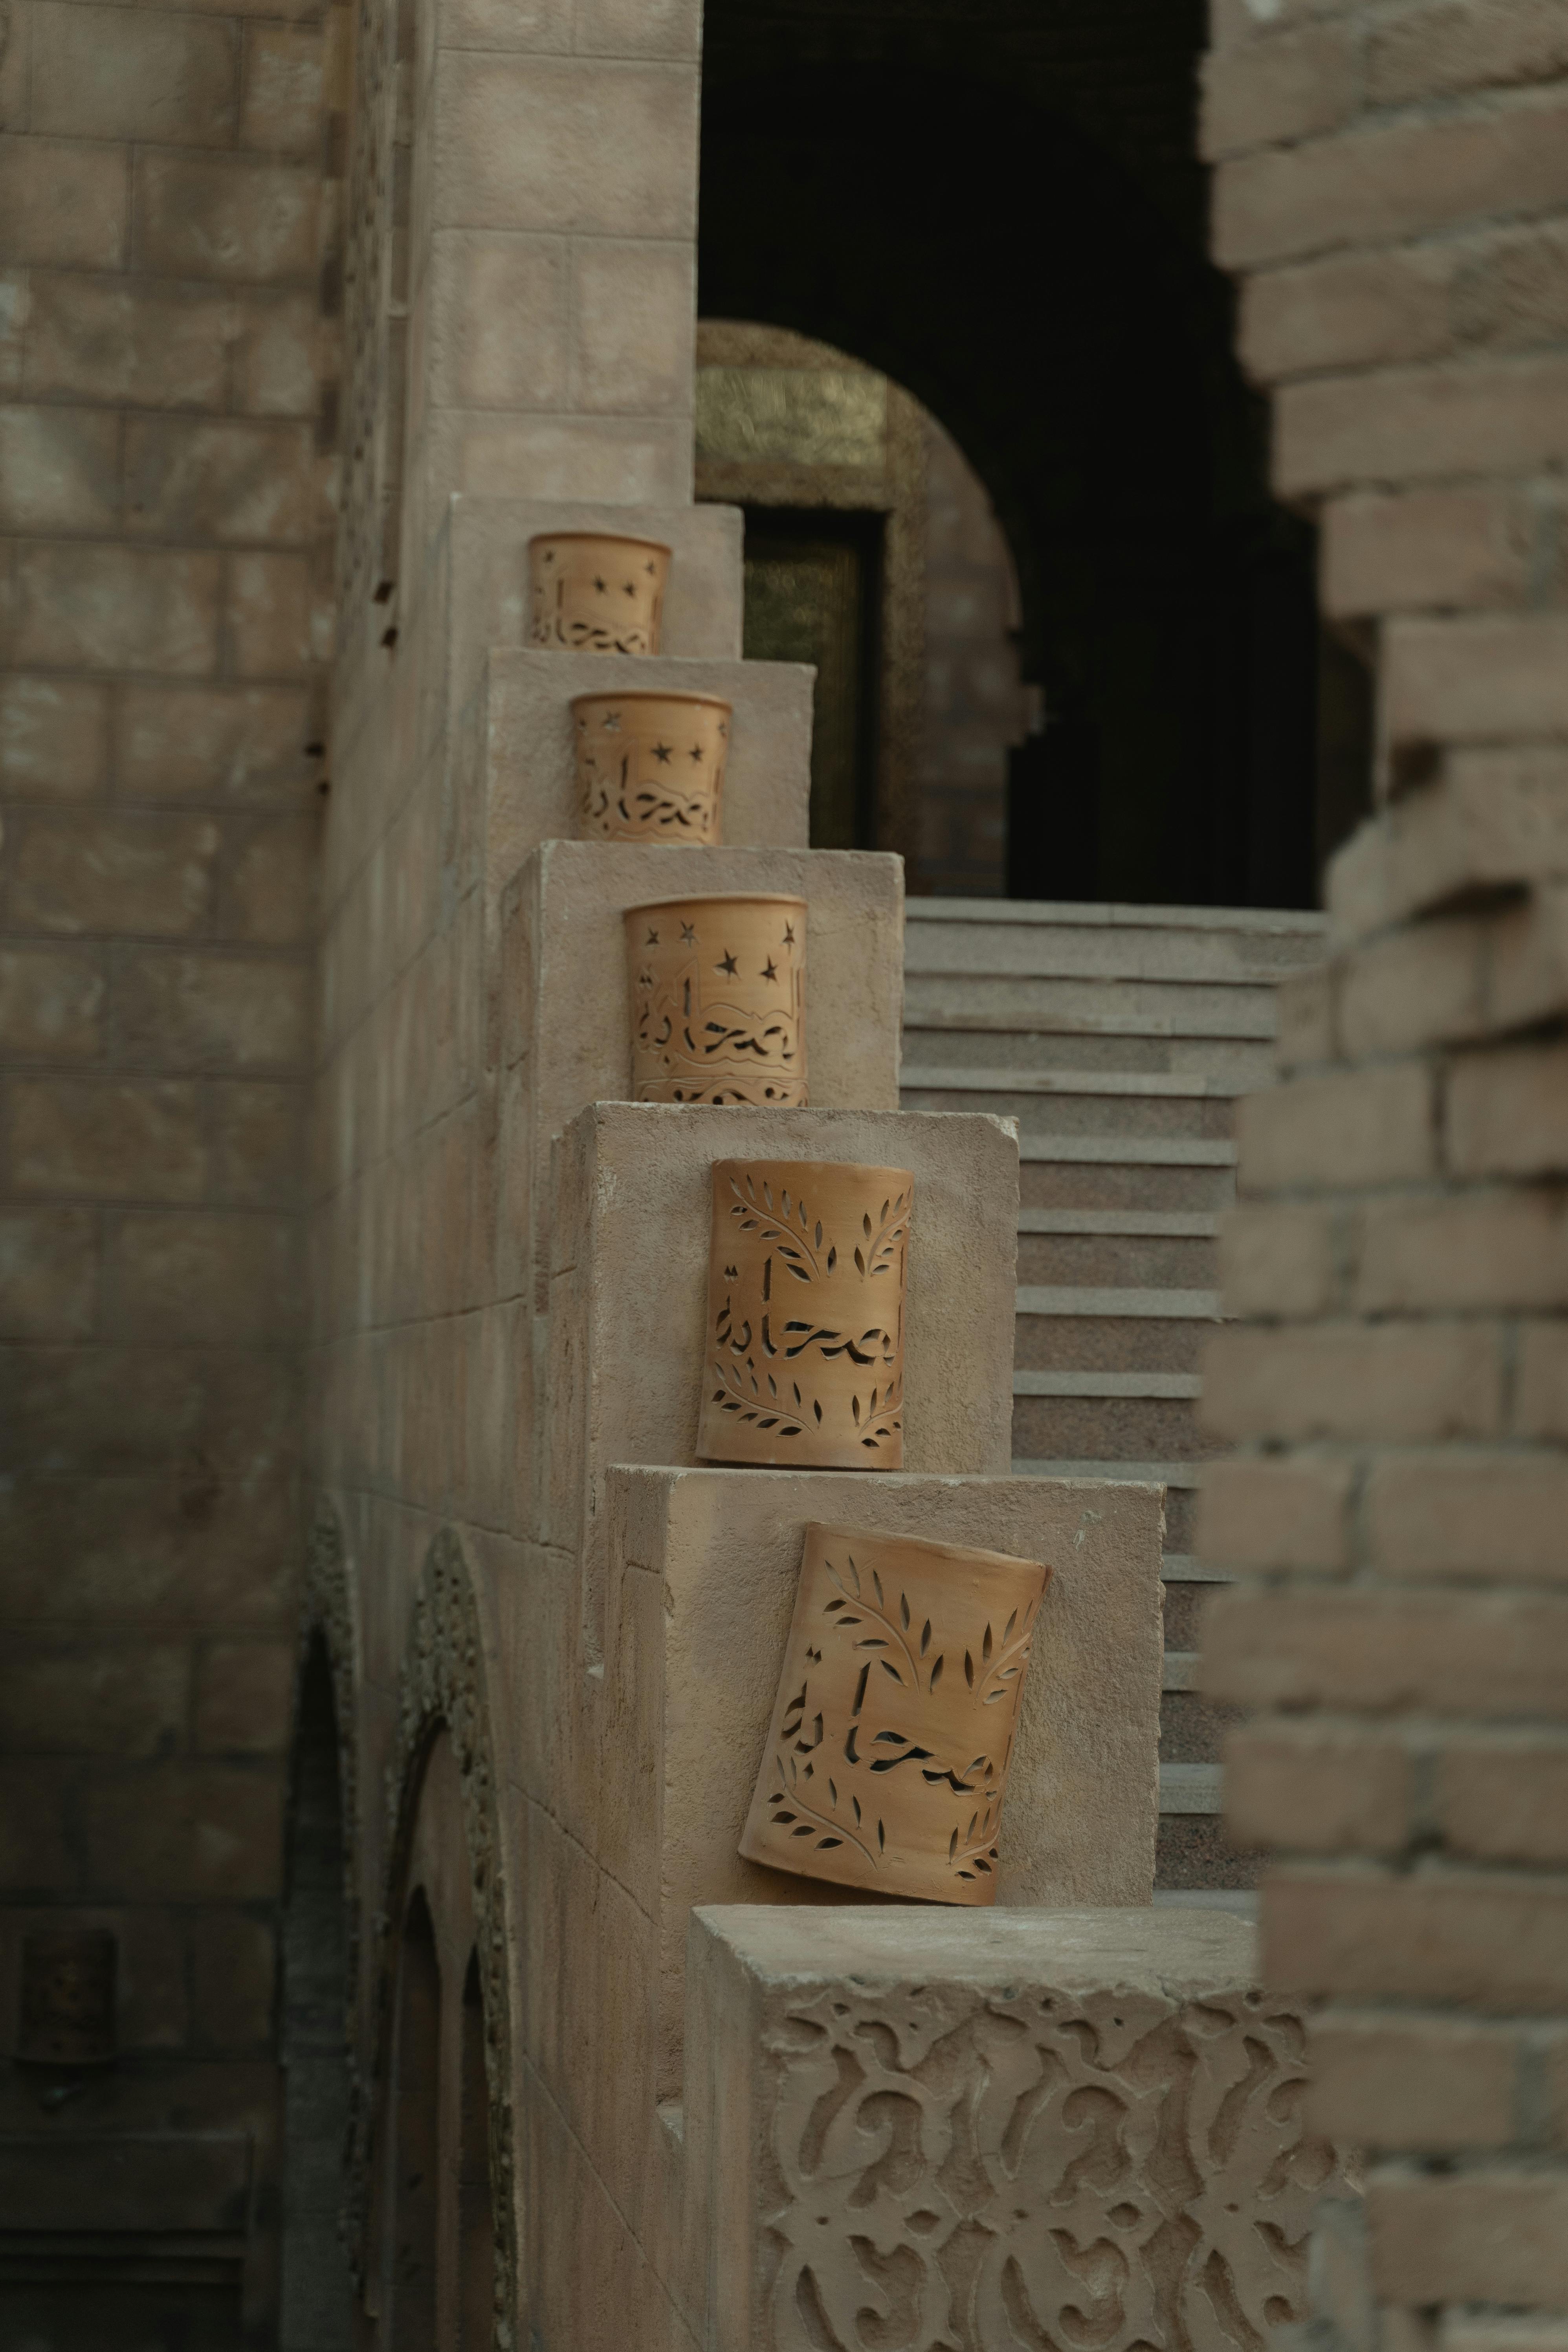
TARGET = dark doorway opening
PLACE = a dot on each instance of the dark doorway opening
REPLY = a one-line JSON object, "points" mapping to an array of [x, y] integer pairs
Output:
{"points": [[1001, 207], [813, 584]]}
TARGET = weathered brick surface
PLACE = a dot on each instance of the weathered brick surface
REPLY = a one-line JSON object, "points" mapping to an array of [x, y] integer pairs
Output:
{"points": [[1393, 190], [165, 517]]}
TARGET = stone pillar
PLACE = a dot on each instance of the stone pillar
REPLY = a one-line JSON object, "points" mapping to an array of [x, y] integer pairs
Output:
{"points": [[1390, 192]]}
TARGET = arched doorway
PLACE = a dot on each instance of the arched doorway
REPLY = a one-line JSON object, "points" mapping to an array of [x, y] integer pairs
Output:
{"points": [[316, 2302], [435, 2271], [954, 197]]}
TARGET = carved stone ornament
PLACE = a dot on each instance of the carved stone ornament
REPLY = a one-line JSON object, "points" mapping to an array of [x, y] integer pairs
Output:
{"points": [[717, 991], [590, 594], [650, 767], [886, 1757], [806, 1270]]}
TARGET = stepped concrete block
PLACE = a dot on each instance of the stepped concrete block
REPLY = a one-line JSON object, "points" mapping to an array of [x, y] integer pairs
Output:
{"points": [[704, 1569], [566, 1013], [1065, 1111], [941, 1000], [628, 1339], [522, 737], [995, 2033], [1127, 1429], [1186, 1261], [486, 551]]}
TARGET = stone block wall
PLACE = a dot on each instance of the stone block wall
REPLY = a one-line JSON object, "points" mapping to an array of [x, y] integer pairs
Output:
{"points": [[165, 569], [1392, 191]]}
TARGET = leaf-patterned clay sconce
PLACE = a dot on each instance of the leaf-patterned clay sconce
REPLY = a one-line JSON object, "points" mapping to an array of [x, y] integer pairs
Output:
{"points": [[650, 767], [897, 1709], [805, 1359], [591, 593], [718, 991]]}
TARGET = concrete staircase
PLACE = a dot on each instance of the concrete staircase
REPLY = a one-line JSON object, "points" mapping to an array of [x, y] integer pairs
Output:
{"points": [[1119, 1037]]}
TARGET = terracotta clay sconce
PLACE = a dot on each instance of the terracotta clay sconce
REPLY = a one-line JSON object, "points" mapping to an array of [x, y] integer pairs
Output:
{"points": [[804, 1362], [717, 991], [886, 1757], [589, 593], [650, 767]]}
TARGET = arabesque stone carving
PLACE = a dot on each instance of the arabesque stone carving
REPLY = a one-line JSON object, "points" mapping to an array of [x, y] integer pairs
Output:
{"points": [[886, 1758], [650, 767], [1114, 2170], [806, 1274], [443, 1683], [718, 991], [591, 593]]}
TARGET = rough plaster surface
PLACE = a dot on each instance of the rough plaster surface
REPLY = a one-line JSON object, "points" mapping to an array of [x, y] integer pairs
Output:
{"points": [[530, 771], [630, 1228], [723, 1549], [982, 2130]]}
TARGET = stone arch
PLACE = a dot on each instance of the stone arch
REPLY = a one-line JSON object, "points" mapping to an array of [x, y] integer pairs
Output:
{"points": [[442, 1705]]}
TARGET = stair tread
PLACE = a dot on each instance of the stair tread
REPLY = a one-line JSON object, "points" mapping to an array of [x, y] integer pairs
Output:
{"points": [[1111, 915], [960, 1079], [1149, 1224], [1186, 1567], [942, 1021], [1130, 1150], [1131, 1473], [1168, 1305], [1107, 1384], [1192, 1787]]}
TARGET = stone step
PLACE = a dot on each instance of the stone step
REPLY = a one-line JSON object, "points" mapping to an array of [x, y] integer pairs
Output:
{"points": [[1180, 1670], [1240, 1063], [1066, 942], [1191, 1788], [1192, 1728], [1097, 1173], [1115, 1427], [1147, 1260], [1157, 1304], [1106, 1384], [1101, 1007], [1141, 1104], [1185, 1225], [1064, 1342], [1117, 914]]}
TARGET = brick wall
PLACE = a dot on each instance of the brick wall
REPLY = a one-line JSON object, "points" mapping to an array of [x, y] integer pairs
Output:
{"points": [[1392, 193], [162, 505]]}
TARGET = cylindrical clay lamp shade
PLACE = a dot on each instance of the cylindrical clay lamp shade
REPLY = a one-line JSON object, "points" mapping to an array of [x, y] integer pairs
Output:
{"points": [[650, 767], [886, 1758], [718, 991], [592, 594], [804, 1359]]}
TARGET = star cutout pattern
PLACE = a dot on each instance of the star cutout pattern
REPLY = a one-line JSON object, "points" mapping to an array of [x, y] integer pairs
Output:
{"points": [[726, 963], [687, 935]]}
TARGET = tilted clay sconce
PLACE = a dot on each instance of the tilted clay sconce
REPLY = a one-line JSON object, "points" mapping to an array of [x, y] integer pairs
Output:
{"points": [[892, 1731], [589, 593], [650, 767], [717, 989], [804, 1362]]}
